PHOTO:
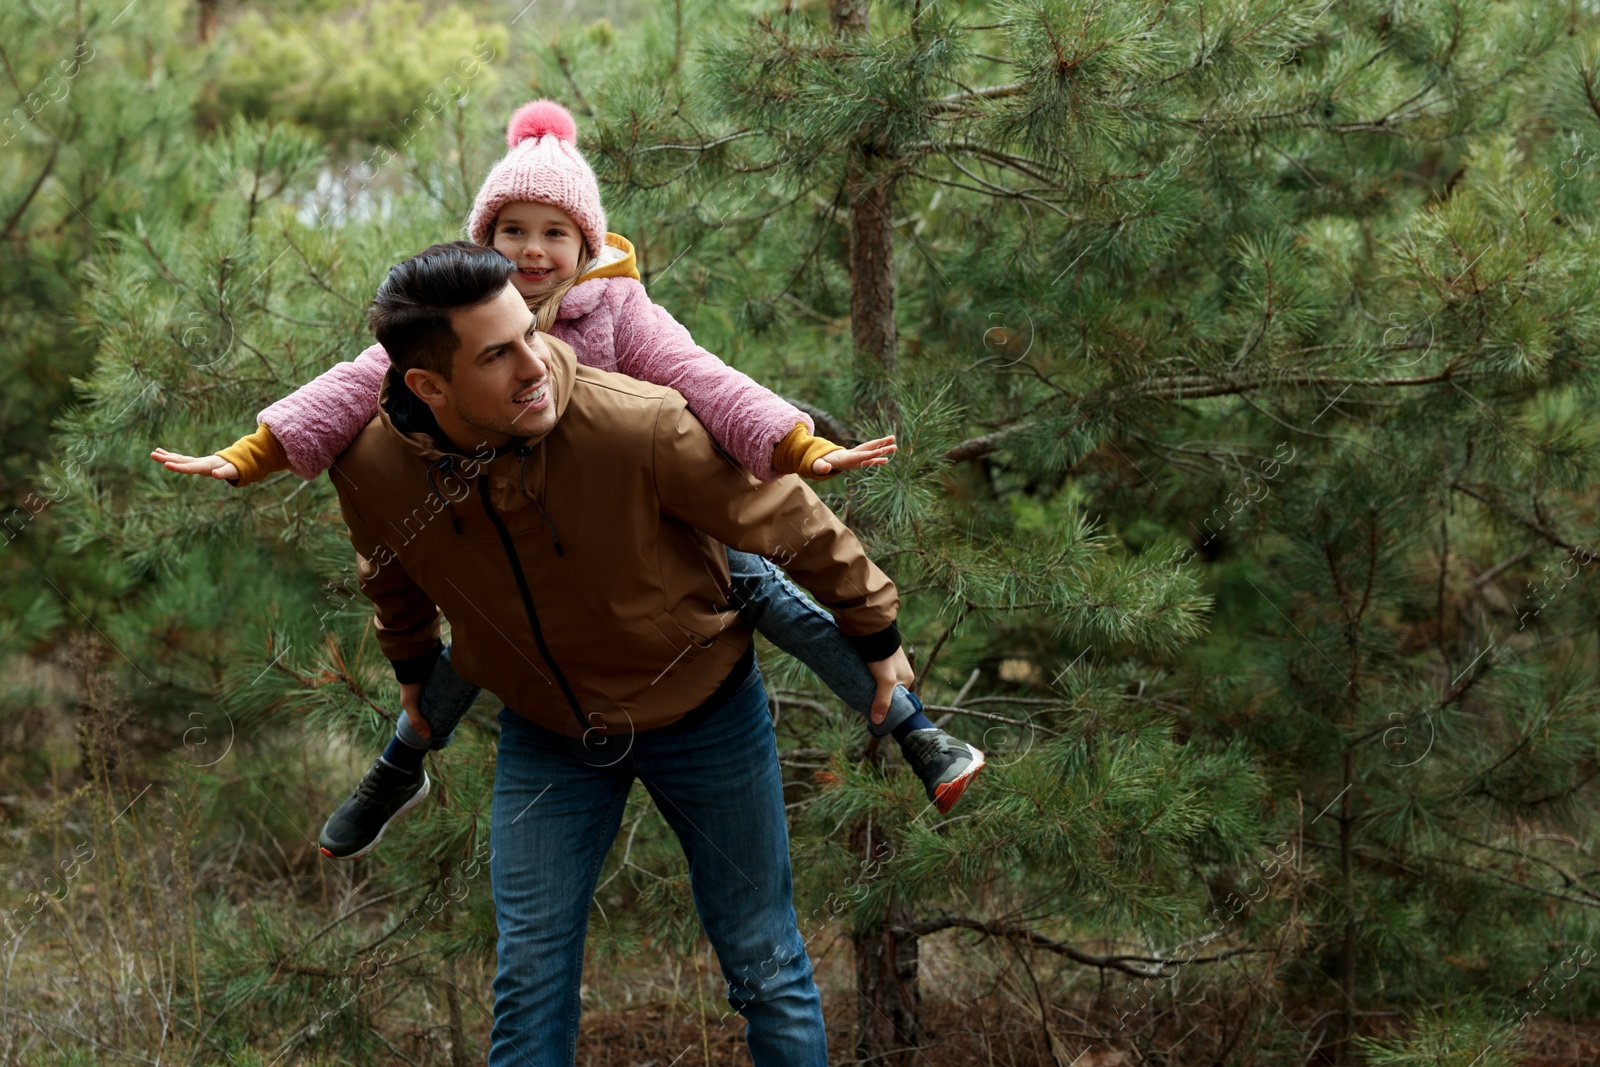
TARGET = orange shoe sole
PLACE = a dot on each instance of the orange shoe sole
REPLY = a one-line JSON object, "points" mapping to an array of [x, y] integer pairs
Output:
{"points": [[946, 795]]}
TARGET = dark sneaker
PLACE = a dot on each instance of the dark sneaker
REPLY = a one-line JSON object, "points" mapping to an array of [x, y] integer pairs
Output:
{"points": [[381, 797], [945, 765]]}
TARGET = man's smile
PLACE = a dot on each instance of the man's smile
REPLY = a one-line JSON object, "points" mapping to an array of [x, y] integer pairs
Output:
{"points": [[533, 398]]}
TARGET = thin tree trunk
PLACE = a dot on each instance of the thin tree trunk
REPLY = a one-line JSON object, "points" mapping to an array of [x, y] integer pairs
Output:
{"points": [[871, 197], [458, 1030], [208, 20], [887, 1024], [1355, 602], [887, 1027], [872, 326], [888, 1030], [1346, 870]]}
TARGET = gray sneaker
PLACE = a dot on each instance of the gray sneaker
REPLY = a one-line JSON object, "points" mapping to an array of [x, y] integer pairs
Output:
{"points": [[945, 765], [382, 796]]}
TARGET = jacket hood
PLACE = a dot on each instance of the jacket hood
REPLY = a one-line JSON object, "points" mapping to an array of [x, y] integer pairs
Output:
{"points": [[616, 260]]}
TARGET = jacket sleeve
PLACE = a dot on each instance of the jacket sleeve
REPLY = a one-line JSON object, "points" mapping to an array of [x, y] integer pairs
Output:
{"points": [[319, 420], [782, 520], [747, 420], [407, 619], [255, 456]]}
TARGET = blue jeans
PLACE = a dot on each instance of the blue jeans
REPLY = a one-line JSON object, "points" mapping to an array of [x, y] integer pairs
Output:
{"points": [[766, 599], [556, 812]]}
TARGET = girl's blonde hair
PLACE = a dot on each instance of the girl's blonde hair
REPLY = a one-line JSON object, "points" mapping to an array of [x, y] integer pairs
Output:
{"points": [[545, 305]]}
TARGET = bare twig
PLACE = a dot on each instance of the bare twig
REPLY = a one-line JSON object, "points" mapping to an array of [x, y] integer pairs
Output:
{"points": [[1155, 966], [831, 425]]}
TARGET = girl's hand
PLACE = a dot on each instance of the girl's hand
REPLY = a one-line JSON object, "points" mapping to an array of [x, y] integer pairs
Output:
{"points": [[868, 454], [215, 466]]}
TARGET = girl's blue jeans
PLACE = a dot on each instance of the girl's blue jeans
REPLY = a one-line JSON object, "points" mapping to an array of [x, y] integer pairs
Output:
{"points": [[557, 809], [768, 601]]}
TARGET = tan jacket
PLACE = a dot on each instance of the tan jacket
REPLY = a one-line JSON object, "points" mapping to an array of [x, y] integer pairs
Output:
{"points": [[581, 571]]}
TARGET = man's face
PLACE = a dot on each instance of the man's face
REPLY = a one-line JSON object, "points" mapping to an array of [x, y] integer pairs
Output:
{"points": [[501, 386]]}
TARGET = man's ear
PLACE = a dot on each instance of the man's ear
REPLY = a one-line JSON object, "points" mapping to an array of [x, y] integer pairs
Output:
{"points": [[430, 387]]}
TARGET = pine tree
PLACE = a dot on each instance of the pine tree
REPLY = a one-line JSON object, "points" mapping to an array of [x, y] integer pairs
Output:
{"points": [[207, 273], [79, 142], [1186, 234]]}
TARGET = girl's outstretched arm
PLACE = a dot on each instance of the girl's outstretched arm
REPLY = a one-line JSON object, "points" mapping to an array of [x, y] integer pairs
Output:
{"points": [[318, 421], [303, 432], [746, 420]]}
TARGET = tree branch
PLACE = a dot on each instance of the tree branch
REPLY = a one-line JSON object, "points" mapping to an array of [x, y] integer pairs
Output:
{"points": [[1197, 387], [977, 447], [16, 216], [1031, 168], [704, 147], [956, 101], [1548, 535], [948, 709], [1157, 967], [565, 63], [831, 425]]}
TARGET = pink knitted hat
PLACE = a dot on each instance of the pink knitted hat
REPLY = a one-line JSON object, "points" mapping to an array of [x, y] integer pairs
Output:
{"points": [[543, 166]]}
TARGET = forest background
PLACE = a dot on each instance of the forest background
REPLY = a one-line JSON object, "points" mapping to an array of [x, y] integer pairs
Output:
{"points": [[1243, 360]]}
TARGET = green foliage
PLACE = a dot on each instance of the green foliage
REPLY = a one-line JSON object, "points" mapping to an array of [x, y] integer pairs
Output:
{"points": [[375, 75], [1245, 393], [83, 129], [1464, 1033], [1304, 291]]}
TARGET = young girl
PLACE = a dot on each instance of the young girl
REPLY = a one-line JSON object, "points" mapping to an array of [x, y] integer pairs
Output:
{"points": [[540, 207]]}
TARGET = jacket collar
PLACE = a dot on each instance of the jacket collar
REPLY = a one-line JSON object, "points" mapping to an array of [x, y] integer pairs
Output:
{"points": [[616, 260]]}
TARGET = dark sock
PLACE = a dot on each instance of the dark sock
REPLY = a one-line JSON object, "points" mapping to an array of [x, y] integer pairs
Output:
{"points": [[917, 721], [403, 755]]}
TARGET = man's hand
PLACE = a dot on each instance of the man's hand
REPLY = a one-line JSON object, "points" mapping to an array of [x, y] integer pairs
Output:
{"points": [[868, 454], [411, 700], [896, 670], [215, 466]]}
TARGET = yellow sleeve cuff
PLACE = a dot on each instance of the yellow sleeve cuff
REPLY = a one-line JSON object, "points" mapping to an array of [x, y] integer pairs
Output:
{"points": [[799, 450], [256, 455]]}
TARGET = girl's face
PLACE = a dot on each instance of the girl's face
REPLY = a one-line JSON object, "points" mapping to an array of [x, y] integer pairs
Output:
{"points": [[544, 243]]}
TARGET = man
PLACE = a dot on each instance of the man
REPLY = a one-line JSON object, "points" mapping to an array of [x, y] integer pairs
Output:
{"points": [[562, 517]]}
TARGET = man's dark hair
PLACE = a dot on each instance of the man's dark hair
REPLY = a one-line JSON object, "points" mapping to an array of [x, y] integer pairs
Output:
{"points": [[411, 313]]}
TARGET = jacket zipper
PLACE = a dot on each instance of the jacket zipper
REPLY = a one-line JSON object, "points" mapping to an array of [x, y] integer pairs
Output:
{"points": [[527, 601], [522, 483]]}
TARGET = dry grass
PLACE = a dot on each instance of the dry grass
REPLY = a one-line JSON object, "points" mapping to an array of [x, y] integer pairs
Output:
{"points": [[177, 918]]}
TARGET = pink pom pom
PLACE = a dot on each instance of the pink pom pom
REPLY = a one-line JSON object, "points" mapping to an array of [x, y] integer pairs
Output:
{"points": [[539, 118]]}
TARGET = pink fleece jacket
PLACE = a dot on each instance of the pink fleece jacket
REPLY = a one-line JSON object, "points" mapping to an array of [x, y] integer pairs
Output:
{"points": [[611, 324]]}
